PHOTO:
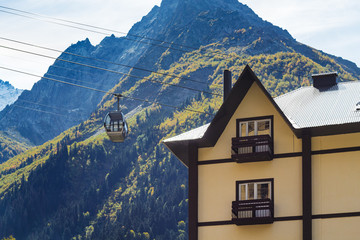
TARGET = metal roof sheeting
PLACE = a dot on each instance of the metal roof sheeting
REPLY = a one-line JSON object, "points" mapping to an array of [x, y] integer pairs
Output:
{"points": [[193, 134], [309, 107]]}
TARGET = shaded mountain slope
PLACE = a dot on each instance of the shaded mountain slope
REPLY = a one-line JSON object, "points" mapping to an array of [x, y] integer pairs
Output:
{"points": [[79, 185], [95, 189], [178, 24]]}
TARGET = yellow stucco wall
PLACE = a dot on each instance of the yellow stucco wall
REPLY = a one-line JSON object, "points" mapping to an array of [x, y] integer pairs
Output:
{"points": [[255, 104], [217, 181], [217, 186], [335, 141], [336, 229], [335, 186], [336, 183], [290, 230]]}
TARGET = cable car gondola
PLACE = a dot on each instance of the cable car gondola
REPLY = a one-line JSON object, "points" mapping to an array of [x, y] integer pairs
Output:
{"points": [[115, 125]]}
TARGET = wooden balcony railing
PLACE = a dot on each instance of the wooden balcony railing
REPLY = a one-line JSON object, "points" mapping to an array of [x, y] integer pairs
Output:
{"points": [[250, 212], [252, 148]]}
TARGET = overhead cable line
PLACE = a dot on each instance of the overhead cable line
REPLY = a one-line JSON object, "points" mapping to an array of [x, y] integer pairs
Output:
{"points": [[38, 110], [106, 92], [108, 70], [43, 111], [71, 79], [99, 28], [44, 105], [109, 30], [100, 60], [74, 70], [94, 31]]}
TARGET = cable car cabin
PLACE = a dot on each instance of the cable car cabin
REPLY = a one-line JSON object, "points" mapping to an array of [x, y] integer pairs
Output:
{"points": [[116, 126]]}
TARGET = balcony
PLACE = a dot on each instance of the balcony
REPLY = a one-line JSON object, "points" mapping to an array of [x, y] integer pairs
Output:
{"points": [[252, 148], [250, 212]]}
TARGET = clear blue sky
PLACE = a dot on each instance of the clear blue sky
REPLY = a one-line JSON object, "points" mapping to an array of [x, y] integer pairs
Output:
{"points": [[329, 25]]}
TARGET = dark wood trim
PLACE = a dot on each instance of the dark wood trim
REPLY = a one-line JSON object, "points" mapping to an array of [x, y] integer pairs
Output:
{"points": [[252, 212], [217, 161], [255, 118], [336, 150], [336, 215], [335, 129], [254, 181], [288, 155], [252, 148], [306, 186], [276, 219], [193, 191], [215, 223], [289, 218], [229, 160]]}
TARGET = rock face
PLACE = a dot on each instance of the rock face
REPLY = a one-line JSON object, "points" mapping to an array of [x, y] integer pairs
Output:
{"points": [[8, 94], [182, 25], [81, 186], [51, 107]]}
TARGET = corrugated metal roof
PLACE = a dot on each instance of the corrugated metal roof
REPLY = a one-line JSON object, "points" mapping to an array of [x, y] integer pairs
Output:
{"points": [[193, 134], [309, 107]]}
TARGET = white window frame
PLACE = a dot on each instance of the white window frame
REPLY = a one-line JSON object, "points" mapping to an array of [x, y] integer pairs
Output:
{"points": [[255, 189], [255, 126]]}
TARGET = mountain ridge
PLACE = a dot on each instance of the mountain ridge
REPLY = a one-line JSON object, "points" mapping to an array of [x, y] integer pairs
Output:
{"points": [[79, 185], [184, 23], [8, 94]]}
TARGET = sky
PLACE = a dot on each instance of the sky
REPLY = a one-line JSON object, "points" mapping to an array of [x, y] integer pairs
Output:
{"points": [[332, 26]]}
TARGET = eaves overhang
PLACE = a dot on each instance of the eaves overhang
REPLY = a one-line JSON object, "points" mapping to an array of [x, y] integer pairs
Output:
{"points": [[208, 135], [228, 108], [213, 132]]}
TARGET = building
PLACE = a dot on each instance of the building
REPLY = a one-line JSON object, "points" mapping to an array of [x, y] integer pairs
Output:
{"points": [[283, 168]]}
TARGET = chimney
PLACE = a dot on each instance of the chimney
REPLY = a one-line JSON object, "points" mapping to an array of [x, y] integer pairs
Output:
{"points": [[227, 83], [324, 80]]}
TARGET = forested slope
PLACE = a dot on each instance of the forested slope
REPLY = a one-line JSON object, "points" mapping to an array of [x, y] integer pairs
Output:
{"points": [[76, 184], [83, 186]]}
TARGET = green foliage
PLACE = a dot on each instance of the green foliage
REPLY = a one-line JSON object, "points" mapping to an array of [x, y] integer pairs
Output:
{"points": [[81, 186], [10, 146], [9, 238]]}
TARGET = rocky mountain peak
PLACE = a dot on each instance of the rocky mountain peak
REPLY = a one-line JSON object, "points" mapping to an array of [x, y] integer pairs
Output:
{"points": [[8, 93]]}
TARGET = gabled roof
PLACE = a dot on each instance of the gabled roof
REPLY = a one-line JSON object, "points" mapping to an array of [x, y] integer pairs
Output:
{"points": [[324, 111], [207, 135], [193, 134]]}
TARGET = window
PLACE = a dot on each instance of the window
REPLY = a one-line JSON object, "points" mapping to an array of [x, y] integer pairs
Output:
{"points": [[254, 128], [254, 140], [254, 202], [254, 190]]}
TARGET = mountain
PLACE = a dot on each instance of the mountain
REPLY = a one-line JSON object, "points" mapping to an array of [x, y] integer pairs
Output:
{"points": [[10, 146], [8, 94], [177, 23], [76, 184], [54, 106]]}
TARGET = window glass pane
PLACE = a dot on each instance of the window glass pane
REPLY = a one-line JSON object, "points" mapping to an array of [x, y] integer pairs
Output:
{"points": [[250, 191], [242, 192], [251, 128], [243, 130], [264, 127], [263, 190]]}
